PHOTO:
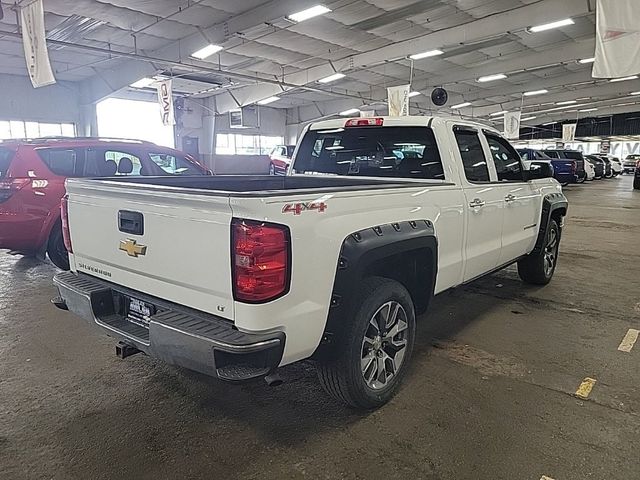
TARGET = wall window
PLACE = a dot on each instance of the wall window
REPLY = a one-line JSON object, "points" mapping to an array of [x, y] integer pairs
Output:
{"points": [[18, 129], [238, 144]]}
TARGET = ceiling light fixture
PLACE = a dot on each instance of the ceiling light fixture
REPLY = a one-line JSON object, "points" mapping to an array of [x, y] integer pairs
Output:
{"points": [[332, 78], [587, 60], [635, 93], [351, 111], [527, 119], [308, 13], [460, 105], [206, 51], [268, 100], [495, 114], [429, 53], [550, 26], [548, 123], [536, 92], [624, 79], [588, 110], [491, 78], [143, 83], [414, 94], [567, 102]]}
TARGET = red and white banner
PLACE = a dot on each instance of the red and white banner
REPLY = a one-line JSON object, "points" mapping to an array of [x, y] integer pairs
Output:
{"points": [[165, 100], [617, 39], [35, 44]]}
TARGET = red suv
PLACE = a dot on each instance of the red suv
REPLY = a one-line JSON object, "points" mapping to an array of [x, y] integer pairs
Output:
{"points": [[32, 175]]}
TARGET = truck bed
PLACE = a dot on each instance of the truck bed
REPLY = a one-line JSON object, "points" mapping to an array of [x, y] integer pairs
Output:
{"points": [[265, 185]]}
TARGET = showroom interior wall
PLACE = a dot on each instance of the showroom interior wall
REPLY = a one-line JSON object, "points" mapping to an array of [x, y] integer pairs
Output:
{"points": [[57, 103]]}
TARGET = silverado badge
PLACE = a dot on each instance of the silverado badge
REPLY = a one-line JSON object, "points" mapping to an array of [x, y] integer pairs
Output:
{"points": [[132, 248]]}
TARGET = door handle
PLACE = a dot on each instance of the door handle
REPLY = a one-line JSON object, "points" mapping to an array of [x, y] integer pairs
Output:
{"points": [[476, 202], [510, 198]]}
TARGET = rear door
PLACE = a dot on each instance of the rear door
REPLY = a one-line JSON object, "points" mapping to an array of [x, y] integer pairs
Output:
{"points": [[522, 200], [483, 204]]}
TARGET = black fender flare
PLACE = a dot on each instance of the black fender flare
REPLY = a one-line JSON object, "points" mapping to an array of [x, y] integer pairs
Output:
{"points": [[551, 203], [360, 252]]}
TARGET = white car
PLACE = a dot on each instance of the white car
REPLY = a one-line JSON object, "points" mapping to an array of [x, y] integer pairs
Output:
{"points": [[589, 169], [616, 166], [236, 276]]}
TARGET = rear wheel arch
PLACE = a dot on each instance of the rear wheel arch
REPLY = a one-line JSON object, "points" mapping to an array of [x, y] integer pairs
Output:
{"points": [[402, 251]]}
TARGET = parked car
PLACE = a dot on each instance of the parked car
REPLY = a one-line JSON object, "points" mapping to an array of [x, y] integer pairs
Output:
{"points": [[589, 170], [563, 170], [332, 262], [574, 155], [616, 165], [32, 176], [636, 177], [280, 159], [598, 166], [629, 164], [608, 166]]}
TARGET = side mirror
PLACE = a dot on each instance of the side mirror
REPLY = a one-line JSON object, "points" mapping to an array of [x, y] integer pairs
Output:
{"points": [[539, 170]]}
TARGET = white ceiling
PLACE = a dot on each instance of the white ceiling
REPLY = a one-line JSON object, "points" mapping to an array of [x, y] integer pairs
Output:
{"points": [[266, 54]]}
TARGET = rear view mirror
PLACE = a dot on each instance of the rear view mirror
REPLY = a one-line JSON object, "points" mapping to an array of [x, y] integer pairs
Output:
{"points": [[539, 170]]}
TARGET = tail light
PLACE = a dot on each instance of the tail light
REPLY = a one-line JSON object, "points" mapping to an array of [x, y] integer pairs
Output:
{"points": [[261, 256], [9, 186], [64, 216]]}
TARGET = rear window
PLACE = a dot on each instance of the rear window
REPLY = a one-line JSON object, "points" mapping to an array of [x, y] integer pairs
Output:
{"points": [[573, 155], [62, 162], [5, 159], [400, 152]]}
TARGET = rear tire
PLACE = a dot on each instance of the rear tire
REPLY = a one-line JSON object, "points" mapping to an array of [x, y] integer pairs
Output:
{"points": [[371, 359], [581, 178], [55, 248], [538, 268]]}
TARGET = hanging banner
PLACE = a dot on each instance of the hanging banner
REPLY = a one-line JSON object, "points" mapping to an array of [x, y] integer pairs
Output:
{"points": [[35, 44], [569, 132], [617, 39], [398, 99], [512, 125], [166, 102]]}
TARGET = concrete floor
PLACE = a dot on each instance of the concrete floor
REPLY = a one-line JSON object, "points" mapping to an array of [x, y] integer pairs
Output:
{"points": [[490, 394]]}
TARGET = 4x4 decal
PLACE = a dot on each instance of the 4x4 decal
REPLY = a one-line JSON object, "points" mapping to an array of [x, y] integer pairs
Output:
{"points": [[298, 208]]}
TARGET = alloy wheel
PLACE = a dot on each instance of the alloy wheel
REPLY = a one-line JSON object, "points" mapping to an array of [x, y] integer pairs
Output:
{"points": [[551, 253]]}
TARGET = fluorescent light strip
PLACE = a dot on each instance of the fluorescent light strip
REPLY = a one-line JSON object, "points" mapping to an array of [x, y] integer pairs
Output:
{"points": [[207, 51], [589, 109], [430, 53], [351, 111], [332, 78], [491, 78], [624, 79], [548, 123], [495, 114], [587, 60], [142, 83], [535, 92], [527, 119], [550, 26], [635, 93], [414, 94], [567, 102], [308, 13], [269, 100], [460, 105]]}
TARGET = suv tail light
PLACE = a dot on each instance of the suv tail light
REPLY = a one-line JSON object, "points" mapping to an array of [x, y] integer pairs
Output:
{"points": [[9, 186], [261, 260], [64, 216]]}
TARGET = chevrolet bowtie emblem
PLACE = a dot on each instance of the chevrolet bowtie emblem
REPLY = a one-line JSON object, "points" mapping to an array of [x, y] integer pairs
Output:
{"points": [[132, 248]]}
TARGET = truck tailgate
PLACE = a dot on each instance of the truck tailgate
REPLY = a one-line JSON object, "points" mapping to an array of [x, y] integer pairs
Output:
{"points": [[181, 252]]}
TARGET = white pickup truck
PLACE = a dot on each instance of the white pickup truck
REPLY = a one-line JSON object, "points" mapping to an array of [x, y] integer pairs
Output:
{"points": [[236, 276]]}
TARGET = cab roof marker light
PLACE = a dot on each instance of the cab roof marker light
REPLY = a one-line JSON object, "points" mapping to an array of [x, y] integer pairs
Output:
{"points": [[550, 26]]}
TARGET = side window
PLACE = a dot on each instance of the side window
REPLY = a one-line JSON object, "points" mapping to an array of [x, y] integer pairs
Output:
{"points": [[506, 160], [473, 159], [127, 164], [171, 164], [109, 163], [553, 154], [60, 161], [524, 154]]}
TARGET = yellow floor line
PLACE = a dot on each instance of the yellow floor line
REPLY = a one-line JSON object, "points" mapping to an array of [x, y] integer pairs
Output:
{"points": [[585, 387], [629, 340]]}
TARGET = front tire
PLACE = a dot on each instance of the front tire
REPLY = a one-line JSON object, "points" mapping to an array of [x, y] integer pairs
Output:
{"points": [[374, 348], [55, 248], [538, 268]]}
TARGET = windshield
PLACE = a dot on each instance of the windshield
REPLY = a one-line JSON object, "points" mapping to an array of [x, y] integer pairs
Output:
{"points": [[5, 159], [401, 152]]}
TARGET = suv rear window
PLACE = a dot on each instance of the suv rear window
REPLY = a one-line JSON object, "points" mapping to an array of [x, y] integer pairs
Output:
{"points": [[6, 156], [400, 152], [60, 161]]}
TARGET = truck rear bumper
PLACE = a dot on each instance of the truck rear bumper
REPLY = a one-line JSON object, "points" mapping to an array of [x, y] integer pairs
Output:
{"points": [[175, 334]]}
